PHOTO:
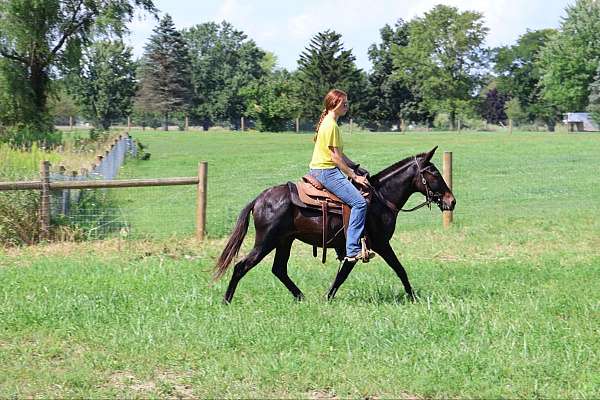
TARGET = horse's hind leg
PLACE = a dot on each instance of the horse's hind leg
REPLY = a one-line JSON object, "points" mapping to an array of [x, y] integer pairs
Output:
{"points": [[282, 255], [241, 268]]}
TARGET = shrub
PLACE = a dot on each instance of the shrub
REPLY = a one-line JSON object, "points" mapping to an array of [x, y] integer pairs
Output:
{"points": [[25, 136]]}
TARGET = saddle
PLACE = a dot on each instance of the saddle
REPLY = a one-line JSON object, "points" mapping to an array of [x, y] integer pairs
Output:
{"points": [[312, 194]]}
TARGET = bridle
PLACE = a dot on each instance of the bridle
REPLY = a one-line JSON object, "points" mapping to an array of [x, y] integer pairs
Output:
{"points": [[430, 195]]}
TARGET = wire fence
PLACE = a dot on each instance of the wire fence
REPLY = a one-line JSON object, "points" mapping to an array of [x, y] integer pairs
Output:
{"points": [[349, 124], [93, 212]]}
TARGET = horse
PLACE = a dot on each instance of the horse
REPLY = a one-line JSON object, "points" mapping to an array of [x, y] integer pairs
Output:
{"points": [[278, 222]]}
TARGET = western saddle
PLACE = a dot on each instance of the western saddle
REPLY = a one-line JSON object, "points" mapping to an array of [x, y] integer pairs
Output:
{"points": [[312, 194]]}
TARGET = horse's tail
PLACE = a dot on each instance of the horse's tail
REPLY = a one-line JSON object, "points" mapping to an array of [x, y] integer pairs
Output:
{"points": [[234, 243]]}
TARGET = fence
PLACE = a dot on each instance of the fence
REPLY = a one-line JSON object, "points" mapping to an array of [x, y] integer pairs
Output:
{"points": [[350, 124], [66, 198], [106, 166], [46, 187]]}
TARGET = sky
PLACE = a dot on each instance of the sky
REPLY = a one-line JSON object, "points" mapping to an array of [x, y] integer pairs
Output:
{"points": [[285, 27]]}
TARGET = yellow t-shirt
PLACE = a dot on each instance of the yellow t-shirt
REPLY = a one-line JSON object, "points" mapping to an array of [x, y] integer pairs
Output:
{"points": [[328, 135]]}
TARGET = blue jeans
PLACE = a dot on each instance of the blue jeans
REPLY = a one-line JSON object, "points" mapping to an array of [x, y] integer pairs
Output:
{"points": [[338, 184]]}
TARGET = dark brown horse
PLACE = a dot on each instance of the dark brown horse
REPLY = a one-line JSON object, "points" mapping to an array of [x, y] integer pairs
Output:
{"points": [[279, 222]]}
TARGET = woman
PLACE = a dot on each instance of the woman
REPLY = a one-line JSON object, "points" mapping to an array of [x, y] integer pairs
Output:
{"points": [[328, 166]]}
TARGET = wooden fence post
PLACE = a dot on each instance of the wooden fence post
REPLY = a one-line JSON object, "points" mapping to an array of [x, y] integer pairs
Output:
{"points": [[201, 210], [510, 125], [45, 201], [187, 122], [64, 202], [297, 125], [242, 124], [70, 123], [128, 124], [447, 167]]}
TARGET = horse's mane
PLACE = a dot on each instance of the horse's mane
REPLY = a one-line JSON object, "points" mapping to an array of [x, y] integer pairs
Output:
{"points": [[375, 178]]}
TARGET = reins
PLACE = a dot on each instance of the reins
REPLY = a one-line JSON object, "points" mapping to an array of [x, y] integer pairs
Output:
{"points": [[429, 195]]}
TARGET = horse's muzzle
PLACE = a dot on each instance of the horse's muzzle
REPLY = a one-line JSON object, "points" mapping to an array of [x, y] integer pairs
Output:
{"points": [[448, 202]]}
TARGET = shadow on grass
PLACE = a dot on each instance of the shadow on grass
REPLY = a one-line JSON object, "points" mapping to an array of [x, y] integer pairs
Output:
{"points": [[381, 295]]}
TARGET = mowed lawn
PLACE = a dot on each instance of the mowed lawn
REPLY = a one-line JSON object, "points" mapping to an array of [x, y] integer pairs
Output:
{"points": [[509, 297]]}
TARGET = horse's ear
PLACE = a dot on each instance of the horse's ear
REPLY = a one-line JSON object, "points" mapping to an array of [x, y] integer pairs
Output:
{"points": [[430, 154]]}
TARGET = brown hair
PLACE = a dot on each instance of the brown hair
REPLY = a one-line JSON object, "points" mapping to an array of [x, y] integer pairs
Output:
{"points": [[332, 100]]}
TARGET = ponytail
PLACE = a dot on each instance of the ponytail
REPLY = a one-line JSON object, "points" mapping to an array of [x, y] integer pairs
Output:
{"points": [[323, 115]]}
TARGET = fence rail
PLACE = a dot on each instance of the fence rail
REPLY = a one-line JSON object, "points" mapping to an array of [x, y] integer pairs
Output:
{"points": [[100, 184]]}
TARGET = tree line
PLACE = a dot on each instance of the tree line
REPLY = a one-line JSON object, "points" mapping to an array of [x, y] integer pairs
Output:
{"points": [[68, 57]]}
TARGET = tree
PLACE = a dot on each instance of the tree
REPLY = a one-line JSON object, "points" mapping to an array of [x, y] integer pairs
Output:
{"points": [[594, 99], [165, 78], [272, 102], [324, 65], [571, 57], [61, 104], [443, 59], [492, 107], [223, 62], [519, 74], [514, 111], [390, 99], [104, 85], [37, 37]]}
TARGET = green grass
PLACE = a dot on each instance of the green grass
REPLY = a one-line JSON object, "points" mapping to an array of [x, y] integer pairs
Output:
{"points": [[509, 296], [498, 178]]}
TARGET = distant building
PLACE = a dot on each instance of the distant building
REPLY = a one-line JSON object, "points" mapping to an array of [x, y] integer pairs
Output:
{"points": [[580, 122]]}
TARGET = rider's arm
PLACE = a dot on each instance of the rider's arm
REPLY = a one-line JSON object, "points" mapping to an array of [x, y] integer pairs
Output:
{"points": [[338, 158]]}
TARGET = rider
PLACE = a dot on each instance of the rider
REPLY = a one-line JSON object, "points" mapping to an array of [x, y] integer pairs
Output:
{"points": [[328, 163]]}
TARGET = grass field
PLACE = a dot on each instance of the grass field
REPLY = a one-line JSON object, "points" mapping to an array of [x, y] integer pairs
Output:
{"points": [[509, 296]]}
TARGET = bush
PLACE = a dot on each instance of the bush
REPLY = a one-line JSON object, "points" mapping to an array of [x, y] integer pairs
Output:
{"points": [[442, 122], [19, 219], [25, 136]]}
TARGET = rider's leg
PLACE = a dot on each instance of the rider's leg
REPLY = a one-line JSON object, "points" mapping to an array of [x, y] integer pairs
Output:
{"points": [[338, 184]]}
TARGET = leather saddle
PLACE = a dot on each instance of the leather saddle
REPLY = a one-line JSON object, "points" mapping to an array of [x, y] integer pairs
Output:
{"points": [[312, 194]]}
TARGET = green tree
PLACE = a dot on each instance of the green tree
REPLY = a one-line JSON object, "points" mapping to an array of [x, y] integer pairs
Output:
{"points": [[514, 111], [165, 77], [390, 99], [324, 65], [519, 74], [37, 37], [61, 104], [571, 57], [443, 59], [272, 101], [104, 84], [594, 99], [223, 62]]}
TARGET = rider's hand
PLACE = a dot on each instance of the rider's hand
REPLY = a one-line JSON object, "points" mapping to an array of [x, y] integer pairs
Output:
{"points": [[361, 180]]}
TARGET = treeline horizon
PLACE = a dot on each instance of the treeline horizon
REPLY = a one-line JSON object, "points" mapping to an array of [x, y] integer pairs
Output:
{"points": [[431, 70]]}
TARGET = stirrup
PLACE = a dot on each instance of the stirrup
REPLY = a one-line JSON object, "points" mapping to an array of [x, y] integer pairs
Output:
{"points": [[365, 254], [366, 257]]}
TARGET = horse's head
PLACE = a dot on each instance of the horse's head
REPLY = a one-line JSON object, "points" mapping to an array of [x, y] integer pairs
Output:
{"points": [[429, 181]]}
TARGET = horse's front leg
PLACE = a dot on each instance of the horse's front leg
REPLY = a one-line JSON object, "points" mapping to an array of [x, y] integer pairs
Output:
{"points": [[387, 253], [341, 276]]}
